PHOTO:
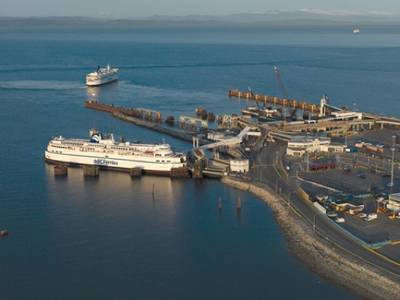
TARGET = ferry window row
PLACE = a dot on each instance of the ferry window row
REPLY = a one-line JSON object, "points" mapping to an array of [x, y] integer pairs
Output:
{"points": [[74, 144], [61, 147]]}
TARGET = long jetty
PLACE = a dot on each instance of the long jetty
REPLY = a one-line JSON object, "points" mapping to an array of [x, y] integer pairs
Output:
{"points": [[306, 106], [142, 118]]}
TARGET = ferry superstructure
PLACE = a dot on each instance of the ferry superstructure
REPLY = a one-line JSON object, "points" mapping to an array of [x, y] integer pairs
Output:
{"points": [[102, 150], [102, 76]]}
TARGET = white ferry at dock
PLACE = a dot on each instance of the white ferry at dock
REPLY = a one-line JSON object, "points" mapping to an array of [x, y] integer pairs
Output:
{"points": [[102, 75], [102, 150]]}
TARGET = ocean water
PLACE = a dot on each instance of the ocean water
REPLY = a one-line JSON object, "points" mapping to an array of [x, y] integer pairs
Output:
{"points": [[74, 238]]}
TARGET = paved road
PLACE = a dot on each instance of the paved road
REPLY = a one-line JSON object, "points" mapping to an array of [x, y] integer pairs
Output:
{"points": [[264, 172]]}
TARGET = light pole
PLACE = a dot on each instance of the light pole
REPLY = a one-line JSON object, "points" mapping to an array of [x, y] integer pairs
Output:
{"points": [[314, 223], [393, 149]]}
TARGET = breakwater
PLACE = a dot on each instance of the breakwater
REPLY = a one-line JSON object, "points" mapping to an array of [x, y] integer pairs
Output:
{"points": [[322, 256]]}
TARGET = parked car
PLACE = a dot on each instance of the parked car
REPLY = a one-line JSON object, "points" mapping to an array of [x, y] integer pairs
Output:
{"points": [[361, 175], [332, 214], [321, 198], [340, 220], [371, 217]]}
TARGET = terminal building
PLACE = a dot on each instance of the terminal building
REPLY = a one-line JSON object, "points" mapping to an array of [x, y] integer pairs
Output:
{"points": [[239, 165], [300, 145]]}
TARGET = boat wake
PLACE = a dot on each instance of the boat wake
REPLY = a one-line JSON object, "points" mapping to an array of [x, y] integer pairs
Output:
{"points": [[40, 85]]}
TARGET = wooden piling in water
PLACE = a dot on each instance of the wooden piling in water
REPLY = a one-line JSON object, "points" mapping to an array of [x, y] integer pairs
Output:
{"points": [[219, 203], [238, 203]]}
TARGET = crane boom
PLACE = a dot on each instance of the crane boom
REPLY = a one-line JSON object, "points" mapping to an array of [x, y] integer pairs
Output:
{"points": [[280, 82], [283, 89]]}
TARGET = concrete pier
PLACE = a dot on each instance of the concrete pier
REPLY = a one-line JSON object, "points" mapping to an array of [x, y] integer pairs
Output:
{"points": [[154, 124], [60, 170], [136, 172], [182, 172], [91, 171]]}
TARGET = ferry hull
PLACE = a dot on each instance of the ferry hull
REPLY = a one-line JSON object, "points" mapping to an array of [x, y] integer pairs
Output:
{"points": [[102, 81], [105, 164], [125, 170]]}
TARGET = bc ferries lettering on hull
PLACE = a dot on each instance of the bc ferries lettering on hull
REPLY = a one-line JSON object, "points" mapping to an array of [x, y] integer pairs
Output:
{"points": [[102, 76], [102, 150]]}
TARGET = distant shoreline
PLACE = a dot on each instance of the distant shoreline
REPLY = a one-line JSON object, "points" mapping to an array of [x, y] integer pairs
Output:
{"points": [[187, 22]]}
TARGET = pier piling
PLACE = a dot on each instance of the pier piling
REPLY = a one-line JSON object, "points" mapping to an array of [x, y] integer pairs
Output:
{"points": [[198, 169], [238, 204], [181, 172], [60, 170], [91, 171], [220, 203], [136, 172]]}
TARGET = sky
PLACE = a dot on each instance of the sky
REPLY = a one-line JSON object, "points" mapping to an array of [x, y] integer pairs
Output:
{"points": [[145, 8]]}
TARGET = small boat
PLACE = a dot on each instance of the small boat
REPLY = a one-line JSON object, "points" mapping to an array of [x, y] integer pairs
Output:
{"points": [[3, 233], [356, 30]]}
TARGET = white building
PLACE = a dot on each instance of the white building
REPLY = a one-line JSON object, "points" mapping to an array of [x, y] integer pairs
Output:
{"points": [[339, 148], [300, 145], [239, 165], [347, 115], [394, 203]]}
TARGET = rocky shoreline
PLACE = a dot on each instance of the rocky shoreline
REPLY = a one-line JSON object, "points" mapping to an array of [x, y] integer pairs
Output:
{"points": [[322, 257]]}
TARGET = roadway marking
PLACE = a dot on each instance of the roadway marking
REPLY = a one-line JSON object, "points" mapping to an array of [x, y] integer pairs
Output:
{"points": [[382, 256]]}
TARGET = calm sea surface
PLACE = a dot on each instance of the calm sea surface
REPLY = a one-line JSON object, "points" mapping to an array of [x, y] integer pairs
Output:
{"points": [[108, 238]]}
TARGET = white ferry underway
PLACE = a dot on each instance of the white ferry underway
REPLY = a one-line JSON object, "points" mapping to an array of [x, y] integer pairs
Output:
{"points": [[102, 150], [102, 76]]}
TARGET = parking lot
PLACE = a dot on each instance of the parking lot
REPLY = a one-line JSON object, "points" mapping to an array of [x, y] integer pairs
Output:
{"points": [[350, 181], [376, 231]]}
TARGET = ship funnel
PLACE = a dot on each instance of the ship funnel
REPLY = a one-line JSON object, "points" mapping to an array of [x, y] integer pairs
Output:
{"points": [[93, 132]]}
